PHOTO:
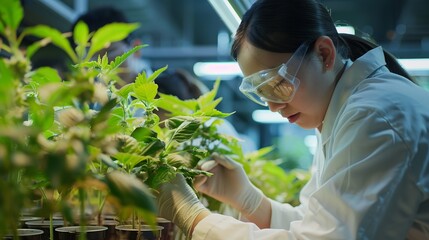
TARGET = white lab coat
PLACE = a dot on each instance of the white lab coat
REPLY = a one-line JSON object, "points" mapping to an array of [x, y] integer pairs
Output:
{"points": [[371, 178]]}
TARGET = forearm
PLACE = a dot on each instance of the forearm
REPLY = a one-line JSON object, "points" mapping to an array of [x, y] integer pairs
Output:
{"points": [[198, 219], [262, 216]]}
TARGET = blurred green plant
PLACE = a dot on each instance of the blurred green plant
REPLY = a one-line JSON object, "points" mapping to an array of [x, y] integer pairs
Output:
{"points": [[55, 146]]}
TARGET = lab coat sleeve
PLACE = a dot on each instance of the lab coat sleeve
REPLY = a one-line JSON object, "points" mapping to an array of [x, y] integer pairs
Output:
{"points": [[366, 166], [220, 227]]}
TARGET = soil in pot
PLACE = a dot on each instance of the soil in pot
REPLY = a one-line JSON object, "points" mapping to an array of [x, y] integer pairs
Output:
{"points": [[73, 232], [27, 234], [44, 226], [146, 232]]}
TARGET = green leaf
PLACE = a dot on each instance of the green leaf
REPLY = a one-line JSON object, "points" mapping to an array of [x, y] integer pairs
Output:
{"points": [[128, 159], [156, 74], [81, 33], [45, 75], [104, 112], [33, 48], [176, 106], [7, 86], [209, 97], [163, 173], [125, 91], [11, 14], [185, 131], [109, 33], [175, 122], [41, 115], [142, 134], [153, 148], [130, 191], [121, 59], [145, 91], [57, 38]]}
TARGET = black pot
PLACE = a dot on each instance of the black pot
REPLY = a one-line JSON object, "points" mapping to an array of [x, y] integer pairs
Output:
{"points": [[111, 225], [146, 232], [27, 234], [44, 225], [168, 232], [24, 219], [73, 232]]}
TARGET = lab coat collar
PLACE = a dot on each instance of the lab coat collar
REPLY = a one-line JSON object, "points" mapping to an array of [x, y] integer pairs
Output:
{"points": [[355, 72]]}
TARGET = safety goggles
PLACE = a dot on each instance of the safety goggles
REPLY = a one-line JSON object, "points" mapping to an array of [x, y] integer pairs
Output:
{"points": [[278, 84]]}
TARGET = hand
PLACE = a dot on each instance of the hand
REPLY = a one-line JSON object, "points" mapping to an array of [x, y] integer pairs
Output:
{"points": [[229, 184], [178, 203]]}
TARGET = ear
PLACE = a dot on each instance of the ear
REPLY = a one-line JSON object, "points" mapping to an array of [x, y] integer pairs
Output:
{"points": [[326, 51]]}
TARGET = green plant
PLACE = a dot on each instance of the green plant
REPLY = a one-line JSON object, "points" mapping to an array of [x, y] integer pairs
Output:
{"points": [[48, 131], [54, 145]]}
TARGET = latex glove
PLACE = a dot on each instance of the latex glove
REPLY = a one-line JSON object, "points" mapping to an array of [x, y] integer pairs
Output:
{"points": [[178, 203], [229, 184]]}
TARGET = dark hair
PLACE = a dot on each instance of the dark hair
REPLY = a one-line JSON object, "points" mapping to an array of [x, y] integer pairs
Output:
{"points": [[282, 26], [181, 84], [98, 17]]}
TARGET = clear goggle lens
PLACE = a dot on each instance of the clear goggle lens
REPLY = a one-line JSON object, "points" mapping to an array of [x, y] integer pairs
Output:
{"points": [[278, 84]]}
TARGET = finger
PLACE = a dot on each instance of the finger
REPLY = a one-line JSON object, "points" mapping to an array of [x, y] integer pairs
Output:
{"points": [[199, 182], [208, 165], [225, 161]]}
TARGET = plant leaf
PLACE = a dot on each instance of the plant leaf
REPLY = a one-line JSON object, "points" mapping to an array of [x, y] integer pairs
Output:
{"points": [[109, 33], [45, 75], [176, 106], [156, 74], [11, 14], [186, 130], [142, 134], [121, 59], [130, 191], [55, 36], [81, 33], [145, 91]]}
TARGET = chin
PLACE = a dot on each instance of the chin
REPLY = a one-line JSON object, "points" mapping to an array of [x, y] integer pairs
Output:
{"points": [[308, 125]]}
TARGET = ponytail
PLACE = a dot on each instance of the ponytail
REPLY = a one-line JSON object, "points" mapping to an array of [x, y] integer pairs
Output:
{"points": [[357, 46]]}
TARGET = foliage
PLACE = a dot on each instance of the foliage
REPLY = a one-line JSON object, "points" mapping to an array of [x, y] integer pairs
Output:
{"points": [[55, 146], [63, 139]]}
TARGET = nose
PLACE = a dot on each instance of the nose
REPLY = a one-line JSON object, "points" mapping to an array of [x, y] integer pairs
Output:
{"points": [[275, 107]]}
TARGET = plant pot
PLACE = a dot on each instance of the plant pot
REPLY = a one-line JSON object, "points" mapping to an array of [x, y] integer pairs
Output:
{"points": [[168, 232], [111, 225], [25, 219], [73, 232], [146, 232], [44, 226], [27, 234]]}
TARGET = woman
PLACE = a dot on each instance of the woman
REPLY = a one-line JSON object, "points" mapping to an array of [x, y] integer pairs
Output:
{"points": [[371, 178]]}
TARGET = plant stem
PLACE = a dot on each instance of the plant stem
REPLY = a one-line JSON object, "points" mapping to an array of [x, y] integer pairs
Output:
{"points": [[51, 227], [82, 235]]}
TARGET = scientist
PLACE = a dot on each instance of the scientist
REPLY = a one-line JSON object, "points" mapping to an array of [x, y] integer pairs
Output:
{"points": [[371, 169]]}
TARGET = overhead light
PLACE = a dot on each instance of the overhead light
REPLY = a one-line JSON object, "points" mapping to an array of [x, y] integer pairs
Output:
{"points": [[224, 70], [346, 29], [266, 116], [227, 13], [416, 66]]}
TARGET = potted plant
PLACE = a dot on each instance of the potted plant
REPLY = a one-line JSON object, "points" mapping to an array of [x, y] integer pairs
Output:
{"points": [[54, 146], [49, 130]]}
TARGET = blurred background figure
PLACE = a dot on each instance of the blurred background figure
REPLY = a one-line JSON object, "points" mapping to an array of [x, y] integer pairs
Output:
{"points": [[99, 17]]}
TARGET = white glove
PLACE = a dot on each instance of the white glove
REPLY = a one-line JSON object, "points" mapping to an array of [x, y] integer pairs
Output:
{"points": [[229, 184], [178, 203]]}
